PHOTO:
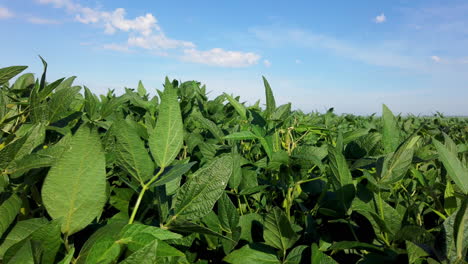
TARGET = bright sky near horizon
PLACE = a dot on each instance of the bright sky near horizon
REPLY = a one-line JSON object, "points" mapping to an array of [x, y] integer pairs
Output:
{"points": [[352, 55]]}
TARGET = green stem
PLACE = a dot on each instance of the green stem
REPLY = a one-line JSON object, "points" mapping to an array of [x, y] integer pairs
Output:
{"points": [[142, 193]]}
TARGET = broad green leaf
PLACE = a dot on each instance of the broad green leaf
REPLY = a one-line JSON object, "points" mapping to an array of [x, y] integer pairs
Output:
{"points": [[110, 230], [270, 99], [460, 231], [208, 124], [157, 233], [248, 254], [60, 102], [455, 230], [173, 173], [455, 169], [166, 139], [240, 108], [20, 231], [396, 164], [131, 152], [20, 253], [75, 187], [342, 180], [242, 135], [391, 132], [355, 134], [343, 245], [251, 224], [414, 252], [68, 258], [104, 251], [227, 213], [141, 89], [145, 255], [319, 257], [198, 195], [8, 211], [45, 157], [48, 237], [278, 230], [24, 81], [282, 112], [190, 228], [295, 255], [9, 72]]}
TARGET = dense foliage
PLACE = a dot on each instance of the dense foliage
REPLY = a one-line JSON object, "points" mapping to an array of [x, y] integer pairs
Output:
{"points": [[180, 178]]}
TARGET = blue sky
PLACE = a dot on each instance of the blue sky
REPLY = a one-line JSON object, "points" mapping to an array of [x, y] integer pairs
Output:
{"points": [[352, 55]]}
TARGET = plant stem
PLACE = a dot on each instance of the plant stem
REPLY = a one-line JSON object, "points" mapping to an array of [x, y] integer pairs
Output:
{"points": [[142, 193]]}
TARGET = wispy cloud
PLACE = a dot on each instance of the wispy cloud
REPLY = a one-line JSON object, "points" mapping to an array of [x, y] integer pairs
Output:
{"points": [[116, 47], [220, 57], [5, 13], [380, 18], [146, 33], [436, 58], [370, 53], [267, 63], [43, 21]]}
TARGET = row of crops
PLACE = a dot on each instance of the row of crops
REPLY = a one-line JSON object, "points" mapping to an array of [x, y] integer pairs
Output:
{"points": [[181, 178]]}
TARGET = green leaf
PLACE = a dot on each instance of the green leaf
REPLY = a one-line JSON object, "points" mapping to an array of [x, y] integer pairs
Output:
{"points": [[455, 169], [240, 108], [20, 253], [227, 213], [391, 132], [198, 195], [343, 245], [342, 180], [190, 228], [460, 230], [20, 231], [251, 224], [355, 134], [320, 257], [131, 152], [68, 258], [75, 187], [60, 101], [173, 173], [141, 89], [134, 229], [145, 255], [248, 254], [414, 252], [295, 255], [242, 135], [9, 72], [104, 251], [210, 125], [8, 211], [278, 230], [48, 237], [270, 99], [23, 82], [396, 164], [166, 139]]}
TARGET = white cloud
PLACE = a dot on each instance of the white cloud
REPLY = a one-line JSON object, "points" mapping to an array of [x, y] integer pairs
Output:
{"points": [[145, 32], [5, 13], [436, 58], [220, 57], [372, 54], [116, 47], [43, 21], [380, 19], [267, 63], [158, 42]]}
